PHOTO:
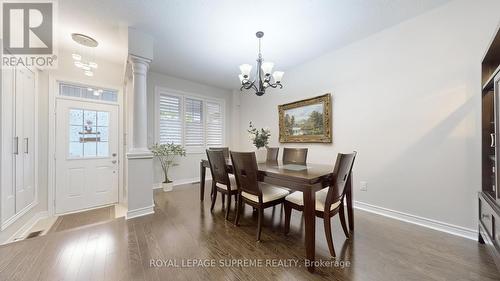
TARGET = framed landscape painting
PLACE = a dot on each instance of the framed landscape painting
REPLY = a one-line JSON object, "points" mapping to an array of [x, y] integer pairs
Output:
{"points": [[307, 120]]}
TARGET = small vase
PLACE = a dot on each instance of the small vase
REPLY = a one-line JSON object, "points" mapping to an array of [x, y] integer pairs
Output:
{"points": [[261, 155], [167, 186]]}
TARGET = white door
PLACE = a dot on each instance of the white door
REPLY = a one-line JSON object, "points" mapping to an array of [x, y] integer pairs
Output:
{"points": [[86, 155], [24, 138]]}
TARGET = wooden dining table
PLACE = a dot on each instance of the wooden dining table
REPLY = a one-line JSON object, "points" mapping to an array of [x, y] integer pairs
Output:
{"points": [[308, 179]]}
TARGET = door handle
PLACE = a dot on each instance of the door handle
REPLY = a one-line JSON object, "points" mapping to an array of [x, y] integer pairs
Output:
{"points": [[16, 145], [26, 146], [492, 144]]}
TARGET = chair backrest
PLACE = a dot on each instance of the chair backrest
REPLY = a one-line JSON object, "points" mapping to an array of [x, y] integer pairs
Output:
{"points": [[272, 154], [246, 172], [295, 156], [218, 167], [341, 176], [225, 150]]}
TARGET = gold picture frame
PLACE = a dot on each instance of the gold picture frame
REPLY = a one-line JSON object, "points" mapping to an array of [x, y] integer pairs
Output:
{"points": [[314, 123]]}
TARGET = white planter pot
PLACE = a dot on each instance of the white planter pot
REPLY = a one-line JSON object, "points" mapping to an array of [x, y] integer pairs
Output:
{"points": [[167, 186], [261, 155]]}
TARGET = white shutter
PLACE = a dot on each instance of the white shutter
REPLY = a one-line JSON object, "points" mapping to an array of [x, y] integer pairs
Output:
{"points": [[170, 119], [214, 124], [193, 118]]}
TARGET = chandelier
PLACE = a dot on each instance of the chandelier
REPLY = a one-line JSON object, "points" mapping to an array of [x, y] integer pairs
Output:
{"points": [[263, 78], [84, 57]]}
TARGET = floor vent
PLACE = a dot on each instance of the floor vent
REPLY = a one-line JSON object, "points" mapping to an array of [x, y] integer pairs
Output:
{"points": [[34, 234]]}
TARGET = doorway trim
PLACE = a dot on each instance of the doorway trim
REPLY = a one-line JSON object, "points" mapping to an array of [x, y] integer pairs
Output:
{"points": [[54, 81]]}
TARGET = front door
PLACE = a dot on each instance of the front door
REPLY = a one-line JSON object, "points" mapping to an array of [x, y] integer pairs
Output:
{"points": [[86, 155]]}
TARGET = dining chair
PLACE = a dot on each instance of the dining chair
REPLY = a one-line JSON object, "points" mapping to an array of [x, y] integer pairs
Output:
{"points": [[224, 149], [272, 154], [221, 180], [252, 192], [329, 201], [294, 156]]}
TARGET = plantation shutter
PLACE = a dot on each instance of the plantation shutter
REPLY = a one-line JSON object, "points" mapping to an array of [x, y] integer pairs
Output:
{"points": [[170, 119], [193, 118], [214, 124]]}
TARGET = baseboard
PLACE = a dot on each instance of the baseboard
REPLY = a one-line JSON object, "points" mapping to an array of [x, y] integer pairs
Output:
{"points": [[182, 182], [140, 212], [17, 216], [23, 230], [421, 221]]}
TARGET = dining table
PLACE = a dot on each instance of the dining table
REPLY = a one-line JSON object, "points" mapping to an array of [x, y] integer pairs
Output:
{"points": [[308, 179]]}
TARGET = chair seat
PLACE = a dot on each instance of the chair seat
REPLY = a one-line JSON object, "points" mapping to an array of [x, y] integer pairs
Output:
{"points": [[298, 199], [232, 180], [269, 193]]}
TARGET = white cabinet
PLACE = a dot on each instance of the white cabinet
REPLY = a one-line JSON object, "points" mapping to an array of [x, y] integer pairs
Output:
{"points": [[17, 144]]}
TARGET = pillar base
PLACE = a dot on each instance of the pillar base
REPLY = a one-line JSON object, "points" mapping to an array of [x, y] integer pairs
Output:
{"points": [[140, 183]]}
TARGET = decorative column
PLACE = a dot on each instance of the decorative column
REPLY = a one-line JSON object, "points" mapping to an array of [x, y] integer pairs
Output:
{"points": [[140, 158]]}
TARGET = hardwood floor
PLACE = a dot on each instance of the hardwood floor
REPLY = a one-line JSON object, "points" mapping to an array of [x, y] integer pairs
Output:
{"points": [[184, 228], [67, 222]]}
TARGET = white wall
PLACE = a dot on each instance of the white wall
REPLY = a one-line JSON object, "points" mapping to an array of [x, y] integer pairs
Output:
{"points": [[188, 166], [408, 100]]}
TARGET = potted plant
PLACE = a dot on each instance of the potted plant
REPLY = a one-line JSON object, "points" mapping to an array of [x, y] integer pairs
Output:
{"points": [[166, 154], [260, 138]]}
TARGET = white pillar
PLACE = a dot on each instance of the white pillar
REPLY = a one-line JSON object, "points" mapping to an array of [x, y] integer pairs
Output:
{"points": [[140, 159], [139, 77]]}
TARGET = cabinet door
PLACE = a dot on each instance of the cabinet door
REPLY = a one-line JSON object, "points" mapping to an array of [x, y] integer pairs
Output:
{"points": [[25, 106], [8, 191]]}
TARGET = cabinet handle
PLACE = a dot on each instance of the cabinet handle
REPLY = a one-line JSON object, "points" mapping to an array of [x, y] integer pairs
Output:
{"points": [[16, 145], [485, 216], [492, 140], [26, 146]]}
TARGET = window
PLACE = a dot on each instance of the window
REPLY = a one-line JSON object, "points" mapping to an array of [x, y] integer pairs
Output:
{"points": [[170, 119], [88, 133], [194, 122], [88, 92]]}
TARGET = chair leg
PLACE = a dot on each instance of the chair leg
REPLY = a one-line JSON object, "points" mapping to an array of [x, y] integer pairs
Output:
{"points": [[328, 233], [214, 198], [342, 221], [223, 199], [228, 205], [259, 226], [288, 214], [238, 209]]}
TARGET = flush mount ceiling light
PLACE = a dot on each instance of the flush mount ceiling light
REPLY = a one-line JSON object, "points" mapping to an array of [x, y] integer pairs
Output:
{"points": [[83, 58], [263, 78]]}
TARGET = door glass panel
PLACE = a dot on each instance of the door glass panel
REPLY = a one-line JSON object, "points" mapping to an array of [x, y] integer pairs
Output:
{"points": [[75, 149], [75, 117], [102, 118], [102, 149], [88, 133]]}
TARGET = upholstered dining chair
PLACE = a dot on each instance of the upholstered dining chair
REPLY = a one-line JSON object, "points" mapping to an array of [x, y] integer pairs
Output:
{"points": [[329, 201], [252, 192], [225, 150], [221, 181], [272, 154], [294, 156]]}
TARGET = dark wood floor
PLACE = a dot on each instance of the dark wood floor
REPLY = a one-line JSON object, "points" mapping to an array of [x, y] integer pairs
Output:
{"points": [[184, 228]]}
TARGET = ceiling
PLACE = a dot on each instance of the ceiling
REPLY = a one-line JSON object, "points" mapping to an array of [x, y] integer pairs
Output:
{"points": [[206, 40]]}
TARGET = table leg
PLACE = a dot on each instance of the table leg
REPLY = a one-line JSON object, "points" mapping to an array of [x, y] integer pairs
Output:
{"points": [[202, 181], [310, 226], [350, 213]]}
